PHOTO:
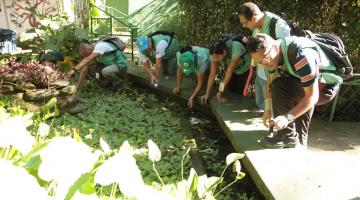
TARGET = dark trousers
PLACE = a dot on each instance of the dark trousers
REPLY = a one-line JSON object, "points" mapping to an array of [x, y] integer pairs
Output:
{"points": [[286, 92], [238, 82]]}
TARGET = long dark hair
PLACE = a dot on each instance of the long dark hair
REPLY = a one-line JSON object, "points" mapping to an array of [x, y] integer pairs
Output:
{"points": [[185, 48], [217, 47]]}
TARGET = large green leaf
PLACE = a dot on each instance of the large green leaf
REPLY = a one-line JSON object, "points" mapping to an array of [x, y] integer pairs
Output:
{"points": [[34, 151], [84, 184], [82, 33]]}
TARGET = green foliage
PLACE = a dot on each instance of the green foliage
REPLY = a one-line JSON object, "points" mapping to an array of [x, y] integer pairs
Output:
{"points": [[55, 33], [198, 22]]}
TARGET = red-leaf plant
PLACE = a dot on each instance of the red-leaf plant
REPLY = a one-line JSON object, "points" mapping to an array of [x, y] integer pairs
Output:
{"points": [[41, 75]]}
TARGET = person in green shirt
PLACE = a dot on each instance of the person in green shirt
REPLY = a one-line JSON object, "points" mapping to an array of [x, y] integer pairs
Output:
{"points": [[229, 67], [192, 61], [160, 50], [252, 18], [105, 53]]}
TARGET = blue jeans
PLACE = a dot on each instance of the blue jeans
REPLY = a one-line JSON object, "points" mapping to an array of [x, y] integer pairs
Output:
{"points": [[260, 92]]}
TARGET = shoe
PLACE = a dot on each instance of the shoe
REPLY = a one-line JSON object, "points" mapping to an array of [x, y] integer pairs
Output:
{"points": [[277, 142]]}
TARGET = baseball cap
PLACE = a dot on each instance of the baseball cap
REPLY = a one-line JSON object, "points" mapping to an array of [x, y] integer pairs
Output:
{"points": [[142, 43], [187, 62]]}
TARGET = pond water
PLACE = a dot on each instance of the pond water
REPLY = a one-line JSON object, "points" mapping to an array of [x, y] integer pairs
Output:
{"points": [[136, 115]]}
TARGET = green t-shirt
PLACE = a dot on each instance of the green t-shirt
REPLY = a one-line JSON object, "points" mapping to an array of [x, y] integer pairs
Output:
{"points": [[236, 50], [202, 59]]}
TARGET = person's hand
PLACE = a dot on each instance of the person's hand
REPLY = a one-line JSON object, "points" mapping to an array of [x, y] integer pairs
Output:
{"points": [[191, 102], [204, 99], [176, 91], [153, 80], [280, 122], [220, 98], [70, 73], [267, 118]]}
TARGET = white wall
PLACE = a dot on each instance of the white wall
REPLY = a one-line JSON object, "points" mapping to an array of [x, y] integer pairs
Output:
{"points": [[18, 8], [134, 5]]}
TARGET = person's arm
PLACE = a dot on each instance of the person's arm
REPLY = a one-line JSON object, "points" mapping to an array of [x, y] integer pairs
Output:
{"points": [[199, 85], [306, 67], [228, 74], [86, 61], [160, 51], [211, 80], [147, 68], [178, 80], [230, 70], [83, 72], [157, 67], [308, 101], [268, 103]]}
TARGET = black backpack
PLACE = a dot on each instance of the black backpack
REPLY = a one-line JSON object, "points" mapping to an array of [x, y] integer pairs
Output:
{"points": [[162, 32], [115, 41], [333, 47], [295, 29]]}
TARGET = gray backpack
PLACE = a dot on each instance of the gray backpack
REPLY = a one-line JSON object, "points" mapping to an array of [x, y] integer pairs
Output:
{"points": [[115, 41]]}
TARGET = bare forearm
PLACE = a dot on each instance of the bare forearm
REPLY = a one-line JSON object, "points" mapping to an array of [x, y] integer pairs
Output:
{"points": [[179, 78], [148, 69], [210, 83], [308, 101], [197, 88], [82, 76], [157, 65], [304, 105]]}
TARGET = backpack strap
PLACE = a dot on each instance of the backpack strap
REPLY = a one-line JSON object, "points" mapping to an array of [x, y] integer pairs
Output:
{"points": [[272, 28], [169, 33]]}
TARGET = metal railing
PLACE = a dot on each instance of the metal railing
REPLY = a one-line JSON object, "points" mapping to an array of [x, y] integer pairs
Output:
{"points": [[123, 20], [355, 81]]}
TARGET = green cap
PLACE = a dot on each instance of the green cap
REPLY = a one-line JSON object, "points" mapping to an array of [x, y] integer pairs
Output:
{"points": [[187, 62]]}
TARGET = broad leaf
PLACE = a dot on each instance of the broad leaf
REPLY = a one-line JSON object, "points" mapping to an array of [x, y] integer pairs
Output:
{"points": [[85, 179], [192, 181]]}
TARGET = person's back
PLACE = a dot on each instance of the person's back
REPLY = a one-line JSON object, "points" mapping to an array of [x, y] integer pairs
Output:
{"points": [[159, 49], [305, 78]]}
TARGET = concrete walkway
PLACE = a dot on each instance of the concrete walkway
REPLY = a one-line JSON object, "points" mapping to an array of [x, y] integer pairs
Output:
{"points": [[329, 170]]}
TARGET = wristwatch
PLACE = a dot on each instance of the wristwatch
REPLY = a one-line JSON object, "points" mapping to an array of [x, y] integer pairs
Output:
{"points": [[290, 117]]}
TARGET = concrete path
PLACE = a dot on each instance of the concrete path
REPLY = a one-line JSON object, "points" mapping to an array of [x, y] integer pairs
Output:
{"points": [[328, 170]]}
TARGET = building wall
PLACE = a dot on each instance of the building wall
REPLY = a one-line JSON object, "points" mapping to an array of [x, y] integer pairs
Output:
{"points": [[120, 5], [14, 15]]}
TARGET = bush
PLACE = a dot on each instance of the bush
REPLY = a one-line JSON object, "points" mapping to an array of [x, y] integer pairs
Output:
{"points": [[198, 22]]}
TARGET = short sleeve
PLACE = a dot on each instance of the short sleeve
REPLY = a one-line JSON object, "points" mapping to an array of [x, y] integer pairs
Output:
{"points": [[237, 50], [282, 29], [102, 47], [307, 66], [160, 48]]}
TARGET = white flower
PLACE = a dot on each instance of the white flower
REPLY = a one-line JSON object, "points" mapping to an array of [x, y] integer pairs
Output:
{"points": [[17, 183], [43, 129], [122, 169], [13, 132], [154, 151], [233, 157], [64, 160]]}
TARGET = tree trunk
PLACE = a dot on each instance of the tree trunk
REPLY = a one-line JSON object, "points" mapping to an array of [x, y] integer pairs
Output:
{"points": [[82, 13]]}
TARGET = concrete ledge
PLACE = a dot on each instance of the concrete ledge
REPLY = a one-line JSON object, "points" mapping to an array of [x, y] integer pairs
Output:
{"points": [[328, 170]]}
